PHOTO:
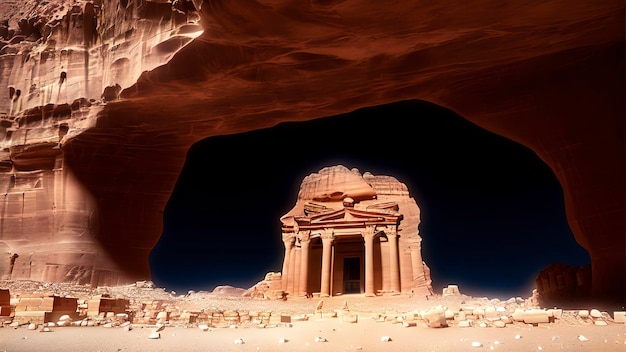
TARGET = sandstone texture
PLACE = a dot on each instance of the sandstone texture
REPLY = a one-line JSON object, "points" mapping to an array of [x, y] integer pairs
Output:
{"points": [[88, 175], [353, 233]]}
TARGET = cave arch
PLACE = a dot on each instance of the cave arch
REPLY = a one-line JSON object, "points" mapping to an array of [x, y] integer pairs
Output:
{"points": [[549, 75], [453, 168]]}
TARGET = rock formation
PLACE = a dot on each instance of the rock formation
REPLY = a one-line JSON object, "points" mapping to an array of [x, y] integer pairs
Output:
{"points": [[95, 180], [60, 61], [563, 284], [353, 233]]}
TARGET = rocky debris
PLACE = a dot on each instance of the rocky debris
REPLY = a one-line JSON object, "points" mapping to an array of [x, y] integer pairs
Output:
{"points": [[268, 288], [451, 290], [152, 307]]}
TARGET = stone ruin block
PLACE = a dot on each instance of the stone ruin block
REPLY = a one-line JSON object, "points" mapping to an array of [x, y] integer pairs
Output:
{"points": [[536, 316], [99, 305], [451, 290], [42, 309]]}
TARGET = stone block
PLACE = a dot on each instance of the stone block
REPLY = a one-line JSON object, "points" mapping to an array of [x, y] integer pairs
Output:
{"points": [[451, 290], [583, 314], [163, 316], [499, 324], [536, 316], [479, 312], [435, 317], [594, 313], [350, 318], [556, 313], [619, 317], [5, 297], [491, 313], [518, 314], [465, 323]]}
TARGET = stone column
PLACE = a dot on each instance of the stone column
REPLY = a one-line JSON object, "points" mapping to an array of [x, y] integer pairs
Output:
{"points": [[327, 242], [304, 262], [296, 273], [417, 263], [288, 240], [394, 269], [368, 236], [292, 271]]}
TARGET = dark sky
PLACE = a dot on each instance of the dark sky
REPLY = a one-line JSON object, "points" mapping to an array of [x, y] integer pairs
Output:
{"points": [[492, 211]]}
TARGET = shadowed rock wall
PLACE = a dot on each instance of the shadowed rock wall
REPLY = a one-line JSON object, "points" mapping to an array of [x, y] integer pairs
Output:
{"points": [[547, 74]]}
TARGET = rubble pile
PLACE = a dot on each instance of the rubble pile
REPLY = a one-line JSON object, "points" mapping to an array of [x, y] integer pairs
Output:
{"points": [[141, 304]]}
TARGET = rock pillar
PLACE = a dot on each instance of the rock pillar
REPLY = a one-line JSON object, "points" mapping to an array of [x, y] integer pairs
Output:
{"points": [[417, 264], [289, 241], [394, 268], [292, 270], [304, 262], [327, 243], [368, 236]]}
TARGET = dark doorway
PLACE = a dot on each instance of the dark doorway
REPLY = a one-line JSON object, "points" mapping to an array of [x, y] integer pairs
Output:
{"points": [[352, 275]]}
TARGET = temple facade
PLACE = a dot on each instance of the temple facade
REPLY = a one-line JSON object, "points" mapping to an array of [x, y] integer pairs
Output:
{"points": [[353, 233]]}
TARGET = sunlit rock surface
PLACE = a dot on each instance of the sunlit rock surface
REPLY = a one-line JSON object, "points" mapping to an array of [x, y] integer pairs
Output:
{"points": [[60, 61], [547, 74], [344, 207]]}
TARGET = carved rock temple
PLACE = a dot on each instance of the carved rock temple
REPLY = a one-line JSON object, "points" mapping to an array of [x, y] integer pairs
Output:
{"points": [[87, 176], [353, 233]]}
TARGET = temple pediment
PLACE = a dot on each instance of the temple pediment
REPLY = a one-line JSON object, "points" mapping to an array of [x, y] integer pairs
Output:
{"points": [[349, 217]]}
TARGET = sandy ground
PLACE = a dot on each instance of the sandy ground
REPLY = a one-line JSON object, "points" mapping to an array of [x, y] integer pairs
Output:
{"points": [[341, 336]]}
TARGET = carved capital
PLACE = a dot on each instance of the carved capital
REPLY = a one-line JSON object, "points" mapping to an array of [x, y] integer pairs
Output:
{"points": [[289, 238], [391, 230], [370, 231], [304, 236], [328, 234]]}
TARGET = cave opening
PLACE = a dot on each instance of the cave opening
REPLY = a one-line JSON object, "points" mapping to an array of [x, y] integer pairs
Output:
{"points": [[492, 212]]}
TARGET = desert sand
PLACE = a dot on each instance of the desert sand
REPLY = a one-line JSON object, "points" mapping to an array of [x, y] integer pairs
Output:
{"points": [[376, 320]]}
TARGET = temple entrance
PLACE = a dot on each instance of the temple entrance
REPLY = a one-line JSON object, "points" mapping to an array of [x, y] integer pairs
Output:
{"points": [[352, 275]]}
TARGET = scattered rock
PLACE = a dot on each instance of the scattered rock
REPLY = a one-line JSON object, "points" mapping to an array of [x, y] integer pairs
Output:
{"points": [[594, 313], [465, 323], [320, 339], [435, 317], [583, 314], [239, 342], [154, 335], [499, 324], [385, 339]]}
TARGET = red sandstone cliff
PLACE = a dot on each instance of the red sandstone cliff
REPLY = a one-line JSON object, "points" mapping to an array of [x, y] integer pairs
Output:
{"points": [[548, 74]]}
